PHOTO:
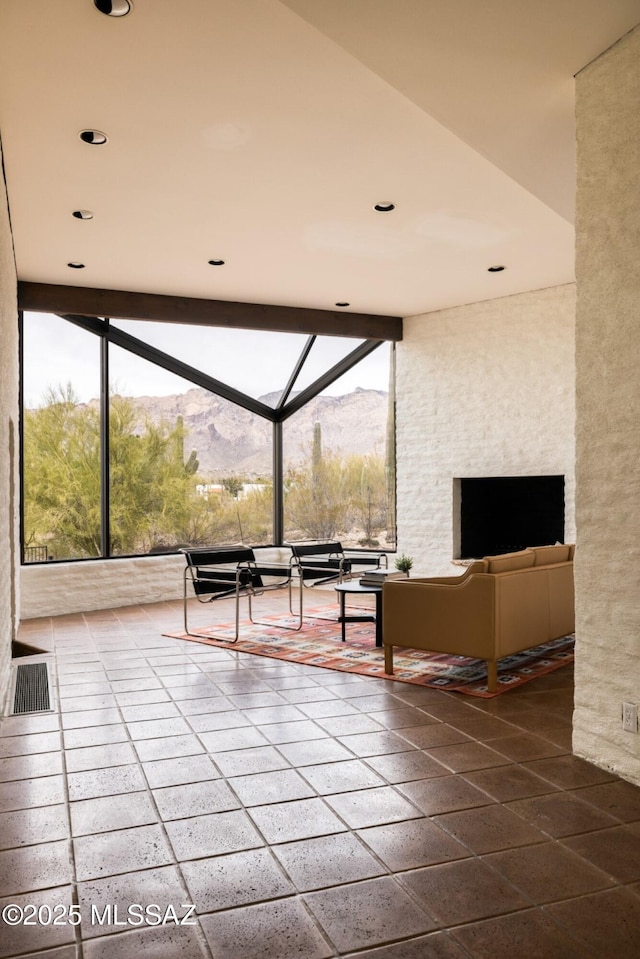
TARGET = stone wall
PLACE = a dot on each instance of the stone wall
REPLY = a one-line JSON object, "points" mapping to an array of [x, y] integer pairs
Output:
{"points": [[53, 589], [9, 442], [608, 394], [485, 389]]}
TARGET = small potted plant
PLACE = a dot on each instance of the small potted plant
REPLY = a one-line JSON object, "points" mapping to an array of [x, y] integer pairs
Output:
{"points": [[404, 563]]}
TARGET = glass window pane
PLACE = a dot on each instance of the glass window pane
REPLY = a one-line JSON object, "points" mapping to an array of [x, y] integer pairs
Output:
{"points": [[339, 461], [325, 353], [187, 468], [255, 363], [61, 451]]}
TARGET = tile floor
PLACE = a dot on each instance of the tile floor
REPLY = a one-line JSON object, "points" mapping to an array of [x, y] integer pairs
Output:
{"points": [[305, 813]]}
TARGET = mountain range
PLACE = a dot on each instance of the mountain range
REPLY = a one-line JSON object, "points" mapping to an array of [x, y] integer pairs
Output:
{"points": [[231, 440]]}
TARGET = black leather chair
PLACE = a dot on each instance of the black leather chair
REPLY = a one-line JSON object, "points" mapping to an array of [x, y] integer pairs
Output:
{"points": [[314, 564], [233, 571]]}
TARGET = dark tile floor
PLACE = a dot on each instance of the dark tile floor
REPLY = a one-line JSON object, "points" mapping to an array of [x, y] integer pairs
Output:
{"points": [[305, 813]]}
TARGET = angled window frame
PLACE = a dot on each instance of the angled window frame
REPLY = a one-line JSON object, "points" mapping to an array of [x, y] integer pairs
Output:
{"points": [[288, 404]]}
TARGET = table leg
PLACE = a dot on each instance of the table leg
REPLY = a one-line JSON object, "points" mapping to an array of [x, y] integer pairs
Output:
{"points": [[379, 618], [342, 616]]}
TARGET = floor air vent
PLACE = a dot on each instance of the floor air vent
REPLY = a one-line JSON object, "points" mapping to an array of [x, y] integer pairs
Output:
{"points": [[32, 694]]}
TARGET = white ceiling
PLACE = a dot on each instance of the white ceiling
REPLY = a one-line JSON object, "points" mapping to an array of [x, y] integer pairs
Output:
{"points": [[263, 132]]}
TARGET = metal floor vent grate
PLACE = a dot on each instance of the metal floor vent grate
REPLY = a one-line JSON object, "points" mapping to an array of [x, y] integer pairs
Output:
{"points": [[32, 689]]}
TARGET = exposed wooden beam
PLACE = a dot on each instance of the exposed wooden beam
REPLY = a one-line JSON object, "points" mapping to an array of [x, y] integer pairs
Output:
{"points": [[118, 304]]}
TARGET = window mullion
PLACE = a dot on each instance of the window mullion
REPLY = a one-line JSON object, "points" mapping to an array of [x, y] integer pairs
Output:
{"points": [[105, 482]]}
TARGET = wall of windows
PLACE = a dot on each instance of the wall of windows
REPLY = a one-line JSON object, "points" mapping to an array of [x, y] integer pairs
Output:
{"points": [[338, 457], [141, 437]]}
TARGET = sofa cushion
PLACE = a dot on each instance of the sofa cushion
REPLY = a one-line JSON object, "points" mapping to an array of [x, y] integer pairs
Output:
{"points": [[506, 562], [546, 555]]}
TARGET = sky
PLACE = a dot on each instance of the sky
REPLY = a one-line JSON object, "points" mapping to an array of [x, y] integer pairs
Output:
{"points": [[56, 353]]}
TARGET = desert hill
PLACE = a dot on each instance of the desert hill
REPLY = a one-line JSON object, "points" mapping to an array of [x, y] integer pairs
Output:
{"points": [[230, 440]]}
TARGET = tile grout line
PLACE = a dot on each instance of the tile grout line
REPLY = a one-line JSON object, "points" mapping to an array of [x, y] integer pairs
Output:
{"points": [[412, 748], [204, 944], [72, 858]]}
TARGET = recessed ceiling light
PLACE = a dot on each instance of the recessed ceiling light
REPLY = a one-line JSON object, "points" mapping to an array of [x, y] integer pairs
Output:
{"points": [[74, 265], [385, 207], [495, 269], [216, 262], [113, 8], [82, 214], [343, 304], [94, 137]]}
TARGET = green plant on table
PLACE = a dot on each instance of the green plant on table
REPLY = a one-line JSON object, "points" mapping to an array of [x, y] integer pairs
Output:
{"points": [[404, 563]]}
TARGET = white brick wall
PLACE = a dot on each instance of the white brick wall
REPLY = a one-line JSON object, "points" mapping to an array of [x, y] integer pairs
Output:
{"points": [[608, 393], [9, 442], [53, 589], [485, 389]]}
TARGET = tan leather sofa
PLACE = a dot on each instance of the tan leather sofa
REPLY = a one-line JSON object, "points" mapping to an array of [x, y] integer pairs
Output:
{"points": [[500, 605]]}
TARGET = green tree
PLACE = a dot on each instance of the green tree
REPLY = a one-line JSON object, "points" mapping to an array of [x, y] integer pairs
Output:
{"points": [[368, 496], [255, 515], [153, 492], [153, 496], [327, 495], [233, 485], [316, 497], [62, 475]]}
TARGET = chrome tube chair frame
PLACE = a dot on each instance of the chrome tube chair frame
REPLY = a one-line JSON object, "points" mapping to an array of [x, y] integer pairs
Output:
{"points": [[325, 562], [232, 572]]}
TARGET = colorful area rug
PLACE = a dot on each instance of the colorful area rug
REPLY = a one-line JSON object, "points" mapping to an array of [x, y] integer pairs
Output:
{"points": [[318, 643]]}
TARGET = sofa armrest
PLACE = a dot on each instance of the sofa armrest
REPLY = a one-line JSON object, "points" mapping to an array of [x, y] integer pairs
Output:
{"points": [[448, 617], [478, 566]]}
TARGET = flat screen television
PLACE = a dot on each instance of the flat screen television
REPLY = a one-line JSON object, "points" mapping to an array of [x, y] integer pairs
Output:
{"points": [[501, 514]]}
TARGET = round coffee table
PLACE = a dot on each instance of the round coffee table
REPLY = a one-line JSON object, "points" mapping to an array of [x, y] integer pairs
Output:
{"points": [[355, 587]]}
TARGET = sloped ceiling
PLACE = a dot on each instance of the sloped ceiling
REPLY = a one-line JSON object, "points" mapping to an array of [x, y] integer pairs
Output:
{"points": [[262, 133]]}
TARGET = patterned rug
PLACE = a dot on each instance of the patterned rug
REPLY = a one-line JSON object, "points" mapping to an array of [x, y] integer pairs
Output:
{"points": [[318, 644]]}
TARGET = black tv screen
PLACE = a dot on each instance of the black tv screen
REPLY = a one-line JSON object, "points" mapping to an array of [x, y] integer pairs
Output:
{"points": [[501, 514]]}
